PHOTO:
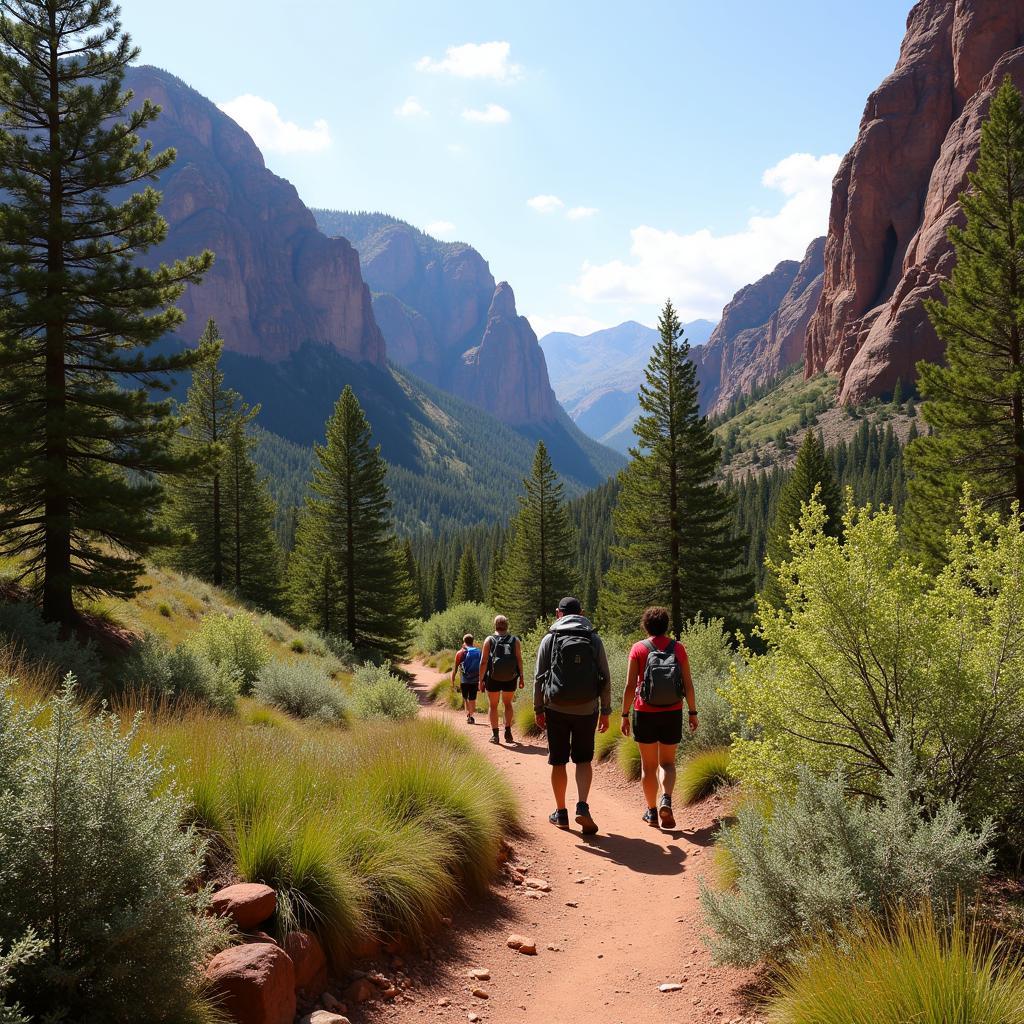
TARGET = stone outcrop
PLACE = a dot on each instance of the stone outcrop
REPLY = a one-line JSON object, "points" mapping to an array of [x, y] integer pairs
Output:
{"points": [[277, 282], [310, 963], [253, 984], [896, 192], [762, 330], [446, 319], [247, 904]]}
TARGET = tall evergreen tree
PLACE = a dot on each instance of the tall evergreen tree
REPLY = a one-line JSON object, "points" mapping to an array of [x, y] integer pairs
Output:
{"points": [[975, 402], [539, 566], [438, 588], [673, 519], [83, 441], [467, 583], [346, 530], [812, 470]]}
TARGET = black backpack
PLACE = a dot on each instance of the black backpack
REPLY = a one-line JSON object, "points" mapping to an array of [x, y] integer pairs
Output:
{"points": [[574, 676], [662, 685], [502, 665]]}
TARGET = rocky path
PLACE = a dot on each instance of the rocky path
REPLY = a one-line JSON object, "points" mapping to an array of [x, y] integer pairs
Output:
{"points": [[615, 918]]}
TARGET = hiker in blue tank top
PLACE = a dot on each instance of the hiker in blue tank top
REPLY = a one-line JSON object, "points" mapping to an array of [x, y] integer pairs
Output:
{"points": [[467, 662], [502, 659]]}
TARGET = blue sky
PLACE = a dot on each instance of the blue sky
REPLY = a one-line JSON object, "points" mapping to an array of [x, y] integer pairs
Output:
{"points": [[601, 156]]}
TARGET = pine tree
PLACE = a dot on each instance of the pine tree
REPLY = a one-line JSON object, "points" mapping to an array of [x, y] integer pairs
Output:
{"points": [[675, 523], [975, 402], [467, 583], [539, 566], [83, 440], [348, 573], [438, 588], [811, 471]]}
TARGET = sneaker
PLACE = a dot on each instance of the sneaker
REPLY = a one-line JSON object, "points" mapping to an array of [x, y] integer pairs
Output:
{"points": [[587, 824], [668, 819], [651, 817], [508, 735], [494, 736], [470, 720], [559, 818]]}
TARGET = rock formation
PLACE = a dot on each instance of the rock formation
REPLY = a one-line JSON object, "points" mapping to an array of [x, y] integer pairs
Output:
{"points": [[762, 330], [896, 192], [277, 282]]}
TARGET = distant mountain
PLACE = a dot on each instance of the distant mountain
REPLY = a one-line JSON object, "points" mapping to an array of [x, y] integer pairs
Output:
{"points": [[597, 376]]}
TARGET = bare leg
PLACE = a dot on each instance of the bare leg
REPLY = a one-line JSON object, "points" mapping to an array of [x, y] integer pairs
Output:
{"points": [[584, 777], [559, 784], [667, 760], [493, 697], [510, 714], [649, 772]]}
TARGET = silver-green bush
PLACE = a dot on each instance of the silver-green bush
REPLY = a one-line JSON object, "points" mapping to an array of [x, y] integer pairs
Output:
{"points": [[94, 861], [377, 693], [820, 856], [302, 689], [179, 673], [444, 630], [39, 642], [235, 642]]}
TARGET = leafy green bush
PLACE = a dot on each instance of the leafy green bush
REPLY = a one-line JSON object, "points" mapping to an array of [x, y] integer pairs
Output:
{"points": [[444, 630], [39, 643], [820, 856], [378, 693], [915, 969], [712, 660], [178, 673], [95, 864], [20, 954], [627, 757], [235, 642], [703, 773], [302, 689]]}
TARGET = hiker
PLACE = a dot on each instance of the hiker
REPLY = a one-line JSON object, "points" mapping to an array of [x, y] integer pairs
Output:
{"points": [[467, 661], [502, 658], [657, 681], [572, 699]]}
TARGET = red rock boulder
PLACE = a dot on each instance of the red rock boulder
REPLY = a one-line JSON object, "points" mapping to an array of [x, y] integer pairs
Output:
{"points": [[248, 904], [254, 984], [310, 963]]}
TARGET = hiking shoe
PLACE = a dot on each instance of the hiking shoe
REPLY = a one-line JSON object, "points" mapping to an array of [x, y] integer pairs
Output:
{"points": [[668, 819], [470, 720], [508, 735], [559, 818], [651, 817], [587, 824], [494, 736]]}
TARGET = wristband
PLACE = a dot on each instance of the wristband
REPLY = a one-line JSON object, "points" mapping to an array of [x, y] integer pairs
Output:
{"points": [[693, 712], [625, 714], [606, 711]]}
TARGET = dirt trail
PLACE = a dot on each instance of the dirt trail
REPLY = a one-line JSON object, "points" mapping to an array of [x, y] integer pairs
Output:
{"points": [[622, 915]]}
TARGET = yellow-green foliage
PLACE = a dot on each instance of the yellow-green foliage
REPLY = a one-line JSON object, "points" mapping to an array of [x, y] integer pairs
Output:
{"points": [[375, 831], [779, 410], [606, 742], [526, 720], [627, 757], [702, 774], [916, 970], [445, 630], [444, 693]]}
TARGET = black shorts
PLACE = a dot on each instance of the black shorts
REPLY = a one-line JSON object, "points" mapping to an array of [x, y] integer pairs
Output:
{"points": [[469, 690], [658, 726], [492, 686], [570, 737]]}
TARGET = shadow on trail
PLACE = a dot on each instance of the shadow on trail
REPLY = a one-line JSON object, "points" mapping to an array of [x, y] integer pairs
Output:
{"points": [[637, 854]]}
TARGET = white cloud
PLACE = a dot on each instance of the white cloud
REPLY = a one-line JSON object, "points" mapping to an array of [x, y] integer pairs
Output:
{"points": [[411, 108], [701, 271], [440, 229], [569, 323], [271, 132], [545, 204], [581, 212], [491, 114], [474, 60]]}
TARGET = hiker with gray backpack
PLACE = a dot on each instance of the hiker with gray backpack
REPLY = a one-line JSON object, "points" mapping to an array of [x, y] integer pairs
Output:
{"points": [[502, 659], [572, 696], [658, 683]]}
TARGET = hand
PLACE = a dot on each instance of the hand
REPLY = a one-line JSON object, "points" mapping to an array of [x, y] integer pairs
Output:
{"points": [[542, 721], [602, 723], [693, 723], [522, 682], [627, 727]]}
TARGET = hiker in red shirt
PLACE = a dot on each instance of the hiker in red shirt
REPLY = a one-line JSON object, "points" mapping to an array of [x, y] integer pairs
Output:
{"points": [[657, 683]]}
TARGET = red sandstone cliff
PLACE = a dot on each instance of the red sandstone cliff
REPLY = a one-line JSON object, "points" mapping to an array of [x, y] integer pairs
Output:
{"points": [[895, 194], [277, 281]]}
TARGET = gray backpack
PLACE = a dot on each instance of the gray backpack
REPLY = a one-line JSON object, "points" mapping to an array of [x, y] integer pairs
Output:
{"points": [[662, 685]]}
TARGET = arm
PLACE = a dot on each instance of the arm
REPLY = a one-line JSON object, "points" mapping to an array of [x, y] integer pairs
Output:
{"points": [[519, 662], [485, 654], [629, 695], [688, 692], [459, 655], [606, 687], [541, 673]]}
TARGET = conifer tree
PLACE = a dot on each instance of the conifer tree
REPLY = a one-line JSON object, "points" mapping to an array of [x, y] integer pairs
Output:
{"points": [[467, 583], [811, 472], [84, 443], [974, 403], [348, 573], [539, 567], [674, 521], [438, 588]]}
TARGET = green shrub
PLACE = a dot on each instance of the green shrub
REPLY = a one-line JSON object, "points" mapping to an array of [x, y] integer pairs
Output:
{"points": [[712, 660], [303, 690], [819, 857], [627, 757], [39, 643], [178, 673], [340, 648], [378, 693], [703, 773], [235, 642], [18, 957], [444, 630], [525, 717], [96, 864], [914, 969], [605, 743]]}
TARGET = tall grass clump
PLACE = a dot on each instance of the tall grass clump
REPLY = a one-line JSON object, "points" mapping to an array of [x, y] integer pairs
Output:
{"points": [[302, 689], [39, 643], [819, 856], [444, 630], [96, 865], [703, 773], [627, 757], [378, 693], [178, 673], [234, 642], [915, 968]]}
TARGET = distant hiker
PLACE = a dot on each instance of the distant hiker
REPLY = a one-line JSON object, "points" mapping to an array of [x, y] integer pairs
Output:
{"points": [[503, 671], [657, 682], [467, 661], [572, 696]]}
